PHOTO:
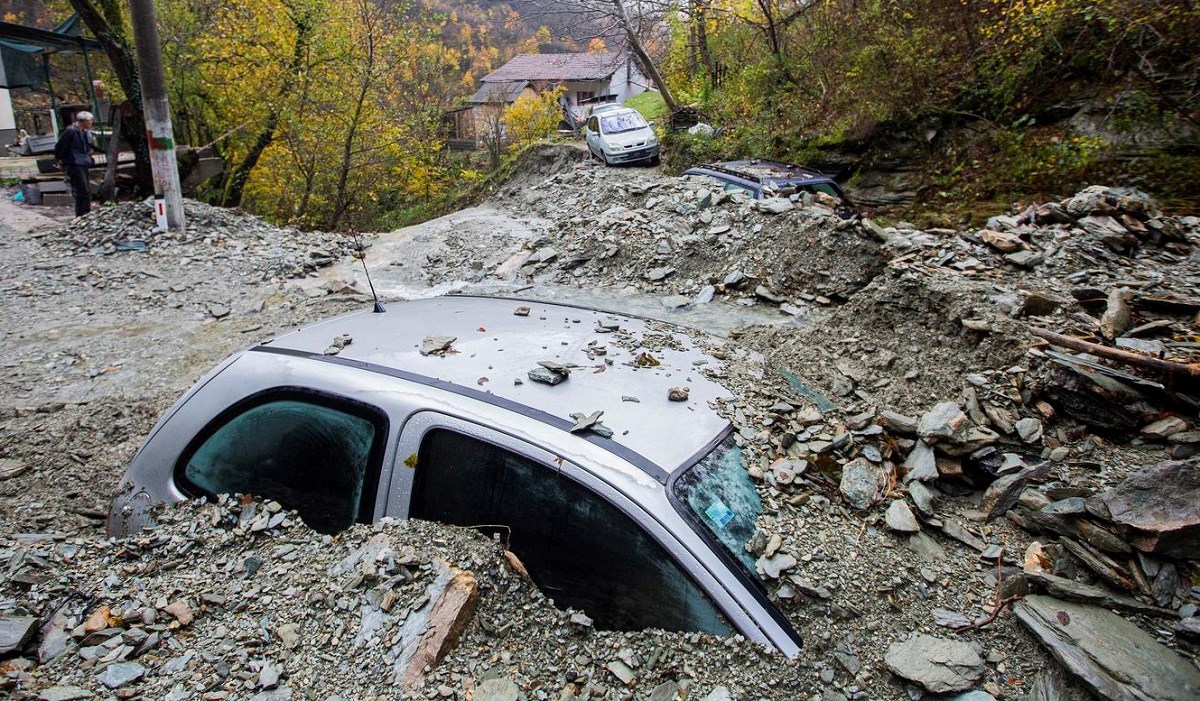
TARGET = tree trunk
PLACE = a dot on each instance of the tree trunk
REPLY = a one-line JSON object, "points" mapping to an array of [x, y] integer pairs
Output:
{"points": [[235, 185], [108, 187], [643, 59], [104, 20], [700, 23]]}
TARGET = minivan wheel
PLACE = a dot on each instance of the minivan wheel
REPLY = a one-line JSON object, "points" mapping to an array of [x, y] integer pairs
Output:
{"points": [[604, 157]]}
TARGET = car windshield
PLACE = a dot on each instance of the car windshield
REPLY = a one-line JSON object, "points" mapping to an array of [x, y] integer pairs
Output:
{"points": [[720, 496], [620, 123]]}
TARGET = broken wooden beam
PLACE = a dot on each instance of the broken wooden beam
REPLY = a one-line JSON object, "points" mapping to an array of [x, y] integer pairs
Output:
{"points": [[1185, 371]]}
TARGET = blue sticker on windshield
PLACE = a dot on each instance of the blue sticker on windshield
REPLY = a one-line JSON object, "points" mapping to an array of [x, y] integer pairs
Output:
{"points": [[719, 514]]}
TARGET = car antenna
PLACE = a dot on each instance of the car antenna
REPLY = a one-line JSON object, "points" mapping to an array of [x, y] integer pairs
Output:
{"points": [[360, 252]]}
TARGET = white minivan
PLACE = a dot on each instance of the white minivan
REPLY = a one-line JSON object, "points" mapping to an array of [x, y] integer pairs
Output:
{"points": [[621, 136]]}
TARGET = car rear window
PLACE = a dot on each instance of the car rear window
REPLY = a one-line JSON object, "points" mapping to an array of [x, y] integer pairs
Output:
{"points": [[316, 456]]}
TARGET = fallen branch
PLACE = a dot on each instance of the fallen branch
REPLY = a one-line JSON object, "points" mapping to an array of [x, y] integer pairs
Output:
{"points": [[1189, 371], [995, 612]]}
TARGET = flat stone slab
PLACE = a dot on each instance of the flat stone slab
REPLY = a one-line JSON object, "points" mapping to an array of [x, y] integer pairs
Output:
{"points": [[939, 665], [14, 632], [1162, 504], [1112, 656]]}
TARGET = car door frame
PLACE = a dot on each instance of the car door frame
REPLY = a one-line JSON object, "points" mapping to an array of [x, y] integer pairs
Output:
{"points": [[700, 570]]}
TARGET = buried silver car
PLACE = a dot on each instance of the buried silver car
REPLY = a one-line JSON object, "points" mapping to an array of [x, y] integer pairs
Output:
{"points": [[638, 517]]}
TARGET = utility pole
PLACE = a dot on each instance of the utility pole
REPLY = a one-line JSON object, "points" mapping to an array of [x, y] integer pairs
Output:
{"points": [[161, 136]]}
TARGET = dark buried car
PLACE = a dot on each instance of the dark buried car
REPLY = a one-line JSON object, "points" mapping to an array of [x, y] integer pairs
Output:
{"points": [[640, 520], [760, 179]]}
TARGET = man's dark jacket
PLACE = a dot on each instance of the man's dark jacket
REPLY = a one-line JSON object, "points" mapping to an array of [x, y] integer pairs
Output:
{"points": [[73, 147]]}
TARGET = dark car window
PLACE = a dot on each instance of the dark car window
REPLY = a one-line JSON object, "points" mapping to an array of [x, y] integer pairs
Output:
{"points": [[307, 455], [594, 124], [822, 187], [580, 550], [734, 187]]}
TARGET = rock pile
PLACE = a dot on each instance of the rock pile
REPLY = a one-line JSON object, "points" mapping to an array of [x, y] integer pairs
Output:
{"points": [[215, 232], [240, 600], [687, 238]]}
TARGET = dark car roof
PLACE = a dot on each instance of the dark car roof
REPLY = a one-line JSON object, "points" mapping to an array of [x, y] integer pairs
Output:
{"points": [[762, 172], [495, 348]]}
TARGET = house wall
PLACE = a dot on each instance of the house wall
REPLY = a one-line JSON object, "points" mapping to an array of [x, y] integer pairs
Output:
{"points": [[629, 81], [8, 121]]}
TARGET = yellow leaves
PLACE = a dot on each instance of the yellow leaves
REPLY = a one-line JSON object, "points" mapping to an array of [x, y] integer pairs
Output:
{"points": [[532, 116]]}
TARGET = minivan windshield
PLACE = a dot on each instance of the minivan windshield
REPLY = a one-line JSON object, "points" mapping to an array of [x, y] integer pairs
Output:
{"points": [[721, 497], [620, 123]]}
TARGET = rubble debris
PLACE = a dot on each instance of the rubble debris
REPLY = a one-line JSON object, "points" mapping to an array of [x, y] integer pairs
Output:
{"points": [[437, 345], [677, 394], [340, 342], [900, 518], [1112, 656]]}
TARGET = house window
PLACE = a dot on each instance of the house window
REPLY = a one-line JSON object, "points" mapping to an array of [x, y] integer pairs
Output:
{"points": [[581, 550], [315, 454], [583, 95]]}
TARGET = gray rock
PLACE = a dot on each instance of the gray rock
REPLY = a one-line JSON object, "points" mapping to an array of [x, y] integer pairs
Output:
{"points": [[945, 420], [900, 518], [922, 497], [1003, 494], [735, 278], [898, 423], [921, 464], [974, 695], [706, 294], [1162, 505], [268, 676], [546, 376], [659, 274], [119, 674], [1112, 656], [1024, 259], [719, 693], [14, 632], [436, 345], [1029, 429], [862, 483], [497, 689], [765, 294], [775, 205], [1165, 428], [675, 301], [775, 566], [667, 691], [283, 693], [938, 665], [1071, 506], [64, 693], [949, 619]]}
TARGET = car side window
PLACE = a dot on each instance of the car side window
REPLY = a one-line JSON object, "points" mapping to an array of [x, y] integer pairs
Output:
{"points": [[315, 456], [734, 187], [594, 124], [580, 550]]}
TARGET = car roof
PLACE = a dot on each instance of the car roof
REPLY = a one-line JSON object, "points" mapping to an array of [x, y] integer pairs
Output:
{"points": [[619, 110], [608, 107], [765, 172], [495, 349]]}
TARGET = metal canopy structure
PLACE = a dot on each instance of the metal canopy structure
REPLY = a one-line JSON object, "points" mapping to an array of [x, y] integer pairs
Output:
{"points": [[22, 46]]}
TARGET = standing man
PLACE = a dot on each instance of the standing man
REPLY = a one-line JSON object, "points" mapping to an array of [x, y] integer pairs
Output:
{"points": [[73, 152]]}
